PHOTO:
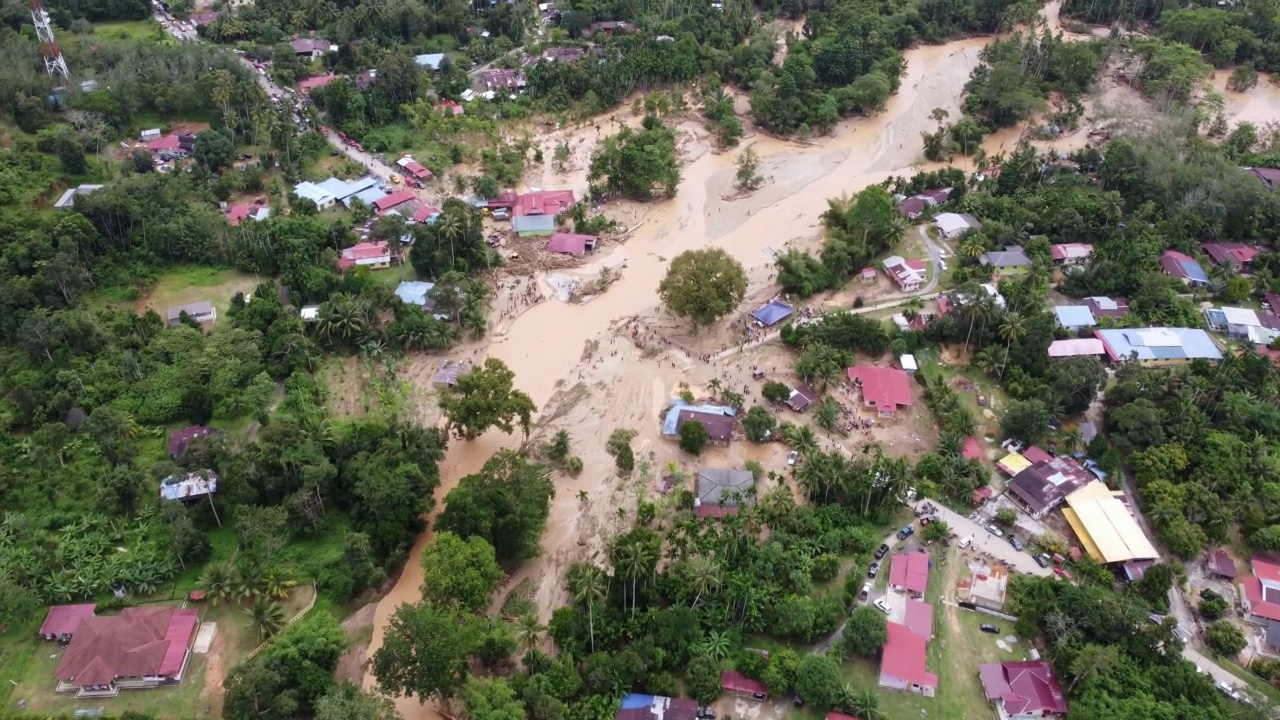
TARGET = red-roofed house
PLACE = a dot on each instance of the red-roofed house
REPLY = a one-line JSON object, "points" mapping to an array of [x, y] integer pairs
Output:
{"points": [[944, 304], [238, 213], [424, 213], [1023, 690], [1235, 254], [1221, 564], [902, 663], [736, 682], [1068, 254], [141, 647], [908, 273], [318, 81], [177, 144], [909, 571], [868, 274], [571, 243], [415, 168], [919, 618], [386, 202], [62, 620], [885, 389], [1262, 590], [1183, 267], [373, 255], [543, 202], [1035, 454], [971, 450]]}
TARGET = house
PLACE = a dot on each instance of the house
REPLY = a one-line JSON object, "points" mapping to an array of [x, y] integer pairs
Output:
{"points": [[1076, 347], [563, 54], [312, 47], [373, 255], [1180, 266], [868, 274], [907, 273], [201, 312], [1158, 346], [415, 168], [772, 313], [415, 292], [801, 398], [542, 202], [914, 206], [1012, 464], [61, 621], [636, 706], [364, 80], [450, 107], [1270, 645], [1269, 176], [720, 491], [719, 427], [534, 225], [902, 663], [1046, 484], [243, 211], [1261, 590], [309, 313], [1009, 261], [1071, 254], [1234, 254], [368, 197], [387, 202], [1023, 690], [909, 572], [179, 440], [1236, 322], [732, 681], [971, 449], [908, 363], [495, 80], [672, 422], [953, 225], [68, 198], [571, 243], [430, 61], [885, 389], [1074, 317], [918, 618], [422, 213], [189, 485], [147, 136], [1102, 306], [317, 81], [174, 145], [343, 190], [141, 647], [1036, 454], [316, 194], [447, 375], [1106, 527], [1221, 564], [610, 26]]}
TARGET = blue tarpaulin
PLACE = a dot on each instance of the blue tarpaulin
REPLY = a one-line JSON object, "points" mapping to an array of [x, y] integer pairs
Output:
{"points": [[634, 701], [773, 313]]}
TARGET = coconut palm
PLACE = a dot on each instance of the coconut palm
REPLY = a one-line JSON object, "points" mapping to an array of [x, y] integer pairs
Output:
{"points": [[704, 574], [341, 318], [275, 585], [588, 587], [449, 227], [972, 245], [217, 584], [715, 646], [529, 632], [827, 414], [1012, 327], [865, 704], [800, 438], [266, 616], [1070, 440]]}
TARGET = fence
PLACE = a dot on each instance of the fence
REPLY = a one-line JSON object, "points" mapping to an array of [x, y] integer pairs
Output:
{"points": [[314, 594]]}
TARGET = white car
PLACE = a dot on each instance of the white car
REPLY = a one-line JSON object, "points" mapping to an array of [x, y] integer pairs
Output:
{"points": [[882, 605], [792, 457], [995, 530], [966, 541]]}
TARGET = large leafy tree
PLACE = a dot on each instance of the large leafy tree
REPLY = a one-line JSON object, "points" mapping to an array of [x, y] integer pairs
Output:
{"points": [[424, 652], [703, 285], [865, 632], [486, 397], [460, 572], [506, 504], [637, 163]]}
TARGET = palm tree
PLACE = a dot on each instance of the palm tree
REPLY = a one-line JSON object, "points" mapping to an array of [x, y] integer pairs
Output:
{"points": [[972, 245], [1071, 440], [827, 414], [247, 580], [800, 438], [1012, 327], [635, 559], [714, 387], [341, 317], [266, 616], [529, 633], [705, 576], [588, 587], [716, 646], [865, 704], [449, 227], [217, 584], [275, 585]]}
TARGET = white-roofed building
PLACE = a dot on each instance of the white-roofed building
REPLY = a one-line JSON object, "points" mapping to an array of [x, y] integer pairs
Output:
{"points": [[367, 196], [316, 194], [430, 61], [1076, 347], [1234, 321], [1159, 346], [1074, 317], [953, 225]]}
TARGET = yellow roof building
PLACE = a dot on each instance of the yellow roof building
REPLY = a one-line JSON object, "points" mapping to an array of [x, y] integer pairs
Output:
{"points": [[1106, 528]]}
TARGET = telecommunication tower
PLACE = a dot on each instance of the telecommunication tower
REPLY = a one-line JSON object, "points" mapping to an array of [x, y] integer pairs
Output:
{"points": [[53, 62]]}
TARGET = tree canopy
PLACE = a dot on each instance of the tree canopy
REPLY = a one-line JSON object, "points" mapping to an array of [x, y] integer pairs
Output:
{"points": [[703, 285]]}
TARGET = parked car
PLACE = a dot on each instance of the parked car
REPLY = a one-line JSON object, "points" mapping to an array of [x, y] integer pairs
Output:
{"points": [[1015, 542], [882, 551], [1182, 635], [866, 590], [706, 713], [1042, 560], [995, 530], [792, 457], [906, 532], [1226, 689], [871, 571], [882, 605], [966, 541], [993, 629]]}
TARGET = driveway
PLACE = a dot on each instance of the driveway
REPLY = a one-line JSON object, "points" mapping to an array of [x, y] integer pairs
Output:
{"points": [[999, 548], [935, 254]]}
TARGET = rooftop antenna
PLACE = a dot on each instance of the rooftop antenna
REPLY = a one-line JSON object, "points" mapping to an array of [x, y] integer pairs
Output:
{"points": [[54, 64]]}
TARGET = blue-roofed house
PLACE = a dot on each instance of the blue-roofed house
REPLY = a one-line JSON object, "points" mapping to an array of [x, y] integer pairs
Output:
{"points": [[1074, 317], [414, 292], [367, 196], [1158, 346], [316, 194], [534, 225], [430, 61], [1183, 267], [774, 312]]}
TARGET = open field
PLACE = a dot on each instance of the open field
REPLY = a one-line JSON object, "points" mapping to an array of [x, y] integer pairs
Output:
{"points": [[188, 285], [134, 30]]}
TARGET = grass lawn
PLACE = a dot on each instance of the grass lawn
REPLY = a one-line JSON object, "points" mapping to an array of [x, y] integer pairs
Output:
{"points": [[996, 396], [146, 30], [1255, 685], [187, 285]]}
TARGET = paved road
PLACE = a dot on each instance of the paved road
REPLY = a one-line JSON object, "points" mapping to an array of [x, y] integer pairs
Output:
{"points": [[935, 255], [999, 548]]}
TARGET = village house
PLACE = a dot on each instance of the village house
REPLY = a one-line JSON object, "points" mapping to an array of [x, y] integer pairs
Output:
{"points": [[635, 706], [1071, 254], [415, 168], [732, 681], [415, 292], [563, 54], [1243, 324], [611, 27], [914, 206], [312, 47], [316, 194], [386, 203], [365, 79], [142, 647], [885, 389], [909, 274], [1261, 590], [1269, 176], [61, 621], [801, 398], [1233, 254], [542, 202], [909, 572], [1073, 318], [447, 375], [179, 440], [1076, 347], [571, 243], [430, 61], [189, 486], [243, 211], [1012, 260], [1102, 306], [1182, 267], [1220, 564], [534, 225], [1157, 347], [1046, 484], [201, 312], [903, 662], [721, 491], [68, 198], [502, 79], [373, 255], [174, 145], [953, 225], [1023, 690], [316, 81]]}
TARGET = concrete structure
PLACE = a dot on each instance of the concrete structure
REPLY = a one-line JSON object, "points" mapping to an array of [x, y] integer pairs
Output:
{"points": [[189, 486], [1158, 346], [1023, 690], [985, 587], [720, 491], [953, 225], [142, 647], [201, 312], [1012, 260], [1046, 484], [909, 274], [1076, 347], [885, 389], [1183, 267], [1106, 528], [1071, 254], [1074, 317], [68, 198]]}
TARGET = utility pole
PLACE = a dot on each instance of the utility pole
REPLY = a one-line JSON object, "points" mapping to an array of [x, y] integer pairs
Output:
{"points": [[54, 64]]}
